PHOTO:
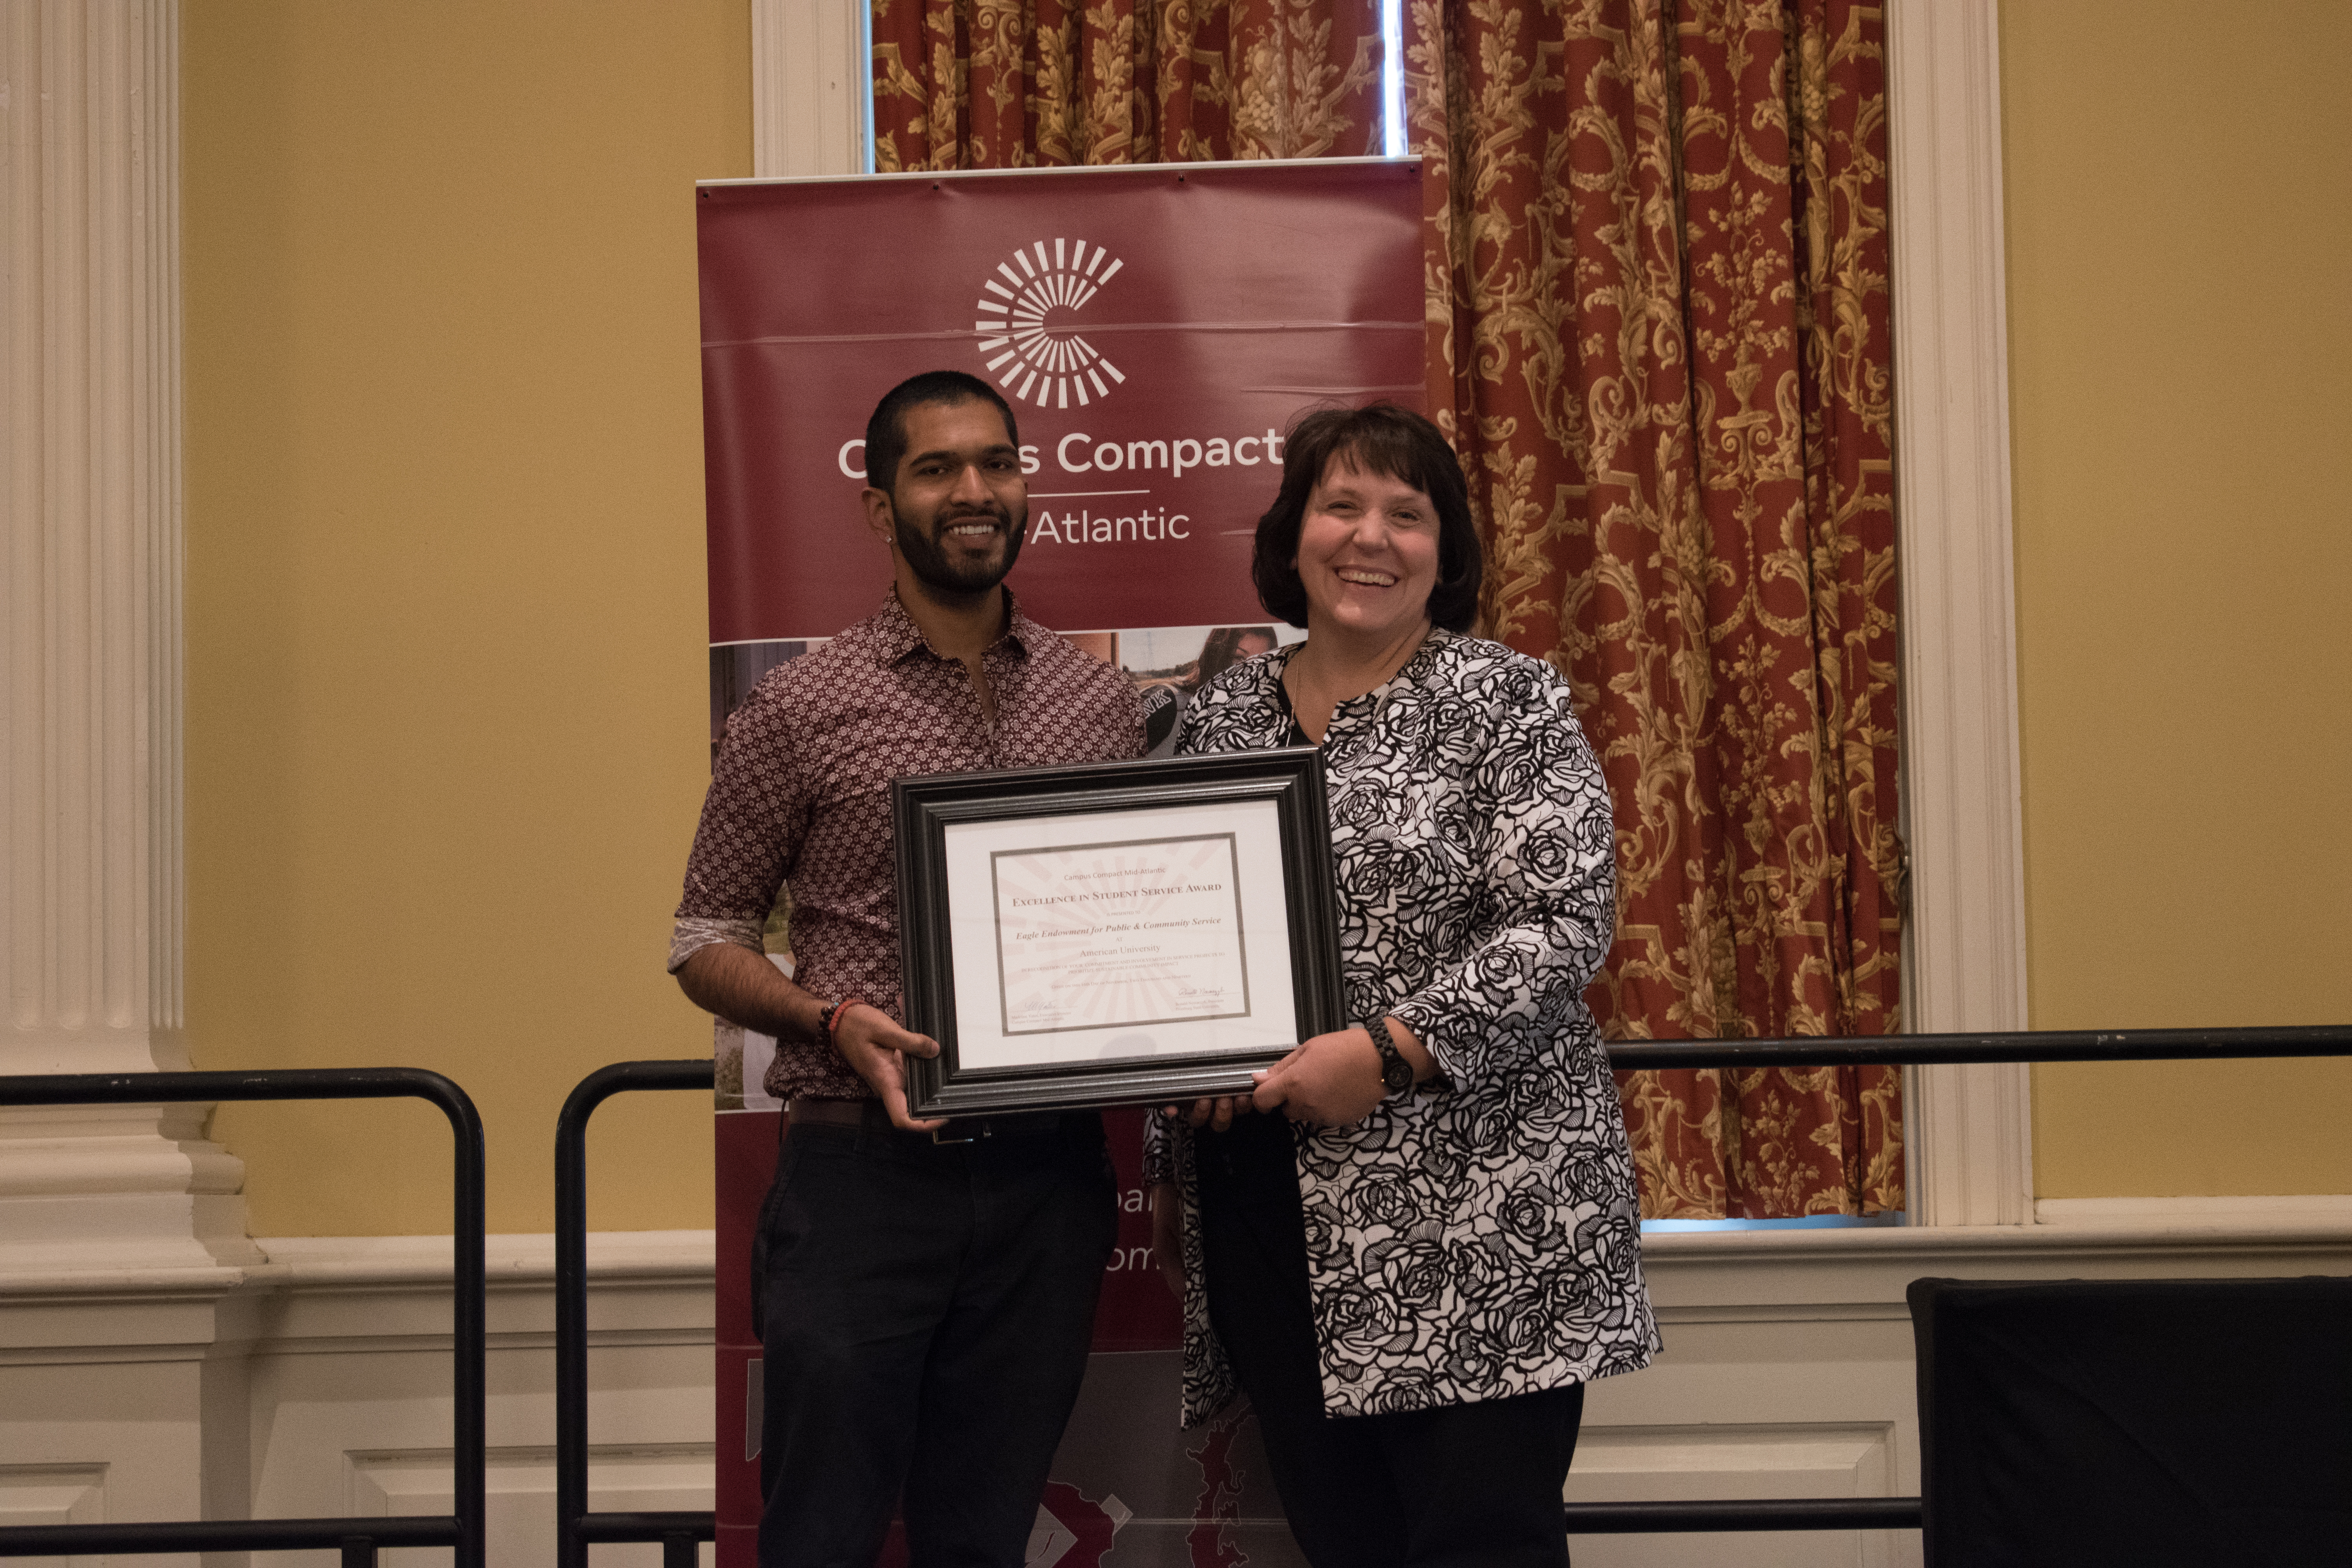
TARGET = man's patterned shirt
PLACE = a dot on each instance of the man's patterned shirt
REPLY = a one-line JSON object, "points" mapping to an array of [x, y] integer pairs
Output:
{"points": [[800, 794]]}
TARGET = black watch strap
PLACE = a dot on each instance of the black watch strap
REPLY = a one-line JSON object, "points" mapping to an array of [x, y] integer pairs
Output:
{"points": [[1396, 1073]]}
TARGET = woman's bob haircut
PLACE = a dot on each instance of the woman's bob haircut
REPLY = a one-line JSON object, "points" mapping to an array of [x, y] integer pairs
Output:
{"points": [[1379, 438]]}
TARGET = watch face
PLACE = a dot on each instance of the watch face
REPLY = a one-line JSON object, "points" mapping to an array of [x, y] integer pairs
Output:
{"points": [[1397, 1074]]}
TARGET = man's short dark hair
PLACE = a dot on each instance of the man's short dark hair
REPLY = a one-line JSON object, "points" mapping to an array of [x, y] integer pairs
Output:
{"points": [[1380, 438], [885, 432]]}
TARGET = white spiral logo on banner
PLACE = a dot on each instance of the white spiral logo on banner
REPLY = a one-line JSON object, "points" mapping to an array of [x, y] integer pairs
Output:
{"points": [[1025, 324]]}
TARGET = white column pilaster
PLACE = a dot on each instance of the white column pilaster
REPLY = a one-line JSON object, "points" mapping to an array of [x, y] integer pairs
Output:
{"points": [[810, 97], [90, 928], [1970, 1127]]}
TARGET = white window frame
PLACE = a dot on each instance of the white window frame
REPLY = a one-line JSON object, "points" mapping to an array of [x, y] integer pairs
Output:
{"points": [[1970, 1127]]}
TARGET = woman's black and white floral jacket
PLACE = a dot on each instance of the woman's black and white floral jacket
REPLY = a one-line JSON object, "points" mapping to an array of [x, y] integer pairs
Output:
{"points": [[1478, 1236]]}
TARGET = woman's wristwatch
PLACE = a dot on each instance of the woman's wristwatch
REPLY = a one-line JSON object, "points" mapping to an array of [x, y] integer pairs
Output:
{"points": [[1396, 1073]]}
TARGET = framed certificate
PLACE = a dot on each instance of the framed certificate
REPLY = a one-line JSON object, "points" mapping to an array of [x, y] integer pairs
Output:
{"points": [[1115, 933]]}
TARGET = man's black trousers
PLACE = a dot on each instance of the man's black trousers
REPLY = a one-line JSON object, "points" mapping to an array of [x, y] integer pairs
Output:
{"points": [[925, 1309]]}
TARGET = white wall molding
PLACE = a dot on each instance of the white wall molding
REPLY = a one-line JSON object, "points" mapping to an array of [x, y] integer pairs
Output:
{"points": [[1819, 1268], [319, 1385], [809, 73], [1663, 1463], [519, 1491], [90, 935], [1971, 1128], [2318, 1214], [52, 1494], [508, 1258]]}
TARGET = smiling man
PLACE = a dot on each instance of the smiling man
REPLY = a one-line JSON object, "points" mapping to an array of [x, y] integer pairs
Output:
{"points": [[925, 1291]]}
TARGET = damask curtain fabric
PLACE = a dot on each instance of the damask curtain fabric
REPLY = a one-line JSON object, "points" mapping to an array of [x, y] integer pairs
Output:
{"points": [[1658, 257], [1003, 84], [1657, 270]]}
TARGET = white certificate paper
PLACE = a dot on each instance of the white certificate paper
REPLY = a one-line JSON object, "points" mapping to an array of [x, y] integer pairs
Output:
{"points": [[1119, 935], [1140, 930]]}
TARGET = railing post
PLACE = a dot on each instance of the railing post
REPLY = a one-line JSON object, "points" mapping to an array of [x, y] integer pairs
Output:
{"points": [[469, 1334], [572, 1316], [358, 1539], [572, 1292]]}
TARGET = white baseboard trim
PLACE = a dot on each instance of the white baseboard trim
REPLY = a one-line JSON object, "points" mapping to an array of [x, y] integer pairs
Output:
{"points": [[2187, 1226], [2194, 1219], [1816, 1276], [321, 1262], [348, 1295], [2098, 1234], [319, 1385], [515, 1259]]}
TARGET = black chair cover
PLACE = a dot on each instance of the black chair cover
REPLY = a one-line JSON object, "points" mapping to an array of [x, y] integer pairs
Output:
{"points": [[2138, 1422]]}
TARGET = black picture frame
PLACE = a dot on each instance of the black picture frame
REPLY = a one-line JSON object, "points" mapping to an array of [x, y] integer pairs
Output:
{"points": [[923, 808]]}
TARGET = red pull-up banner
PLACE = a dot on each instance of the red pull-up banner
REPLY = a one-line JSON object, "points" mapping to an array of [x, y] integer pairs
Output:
{"points": [[1156, 330]]}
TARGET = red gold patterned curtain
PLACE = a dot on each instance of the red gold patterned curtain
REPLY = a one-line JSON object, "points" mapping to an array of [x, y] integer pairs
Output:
{"points": [[1657, 270], [1658, 260], [1003, 84]]}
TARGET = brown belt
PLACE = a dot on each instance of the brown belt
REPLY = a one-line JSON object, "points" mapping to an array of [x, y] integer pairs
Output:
{"points": [[961, 1130]]}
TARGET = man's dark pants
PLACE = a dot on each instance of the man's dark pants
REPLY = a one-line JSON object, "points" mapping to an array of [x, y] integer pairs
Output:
{"points": [[925, 1309]]}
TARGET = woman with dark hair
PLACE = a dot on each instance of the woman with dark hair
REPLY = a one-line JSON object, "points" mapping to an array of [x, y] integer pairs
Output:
{"points": [[1226, 646], [1416, 1269], [1163, 704]]}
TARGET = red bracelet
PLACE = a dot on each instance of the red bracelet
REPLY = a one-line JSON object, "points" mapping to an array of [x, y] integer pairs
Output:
{"points": [[832, 1019]]}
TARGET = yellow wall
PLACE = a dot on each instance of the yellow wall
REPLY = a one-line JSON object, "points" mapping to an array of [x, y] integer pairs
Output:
{"points": [[446, 714], [2180, 230], [446, 689]]}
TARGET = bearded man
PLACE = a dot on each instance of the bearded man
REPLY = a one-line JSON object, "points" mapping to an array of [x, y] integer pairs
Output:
{"points": [[925, 1290]]}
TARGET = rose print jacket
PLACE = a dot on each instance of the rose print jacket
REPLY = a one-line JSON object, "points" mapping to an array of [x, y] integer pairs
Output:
{"points": [[1478, 1236]]}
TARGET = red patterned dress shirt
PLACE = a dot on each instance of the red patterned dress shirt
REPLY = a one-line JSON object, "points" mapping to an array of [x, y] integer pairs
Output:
{"points": [[801, 793]]}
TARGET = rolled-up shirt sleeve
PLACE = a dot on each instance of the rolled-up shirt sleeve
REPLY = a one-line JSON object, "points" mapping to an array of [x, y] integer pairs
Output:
{"points": [[752, 822], [687, 937]]}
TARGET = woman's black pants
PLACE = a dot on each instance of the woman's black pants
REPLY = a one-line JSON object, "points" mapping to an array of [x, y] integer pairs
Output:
{"points": [[1462, 1484]]}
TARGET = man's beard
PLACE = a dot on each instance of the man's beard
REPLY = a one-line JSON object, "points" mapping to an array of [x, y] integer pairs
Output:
{"points": [[930, 562]]}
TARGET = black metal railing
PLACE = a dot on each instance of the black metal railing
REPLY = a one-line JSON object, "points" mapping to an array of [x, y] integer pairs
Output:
{"points": [[359, 1540], [1583, 1517], [1942, 1050], [576, 1527], [1905, 1050]]}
